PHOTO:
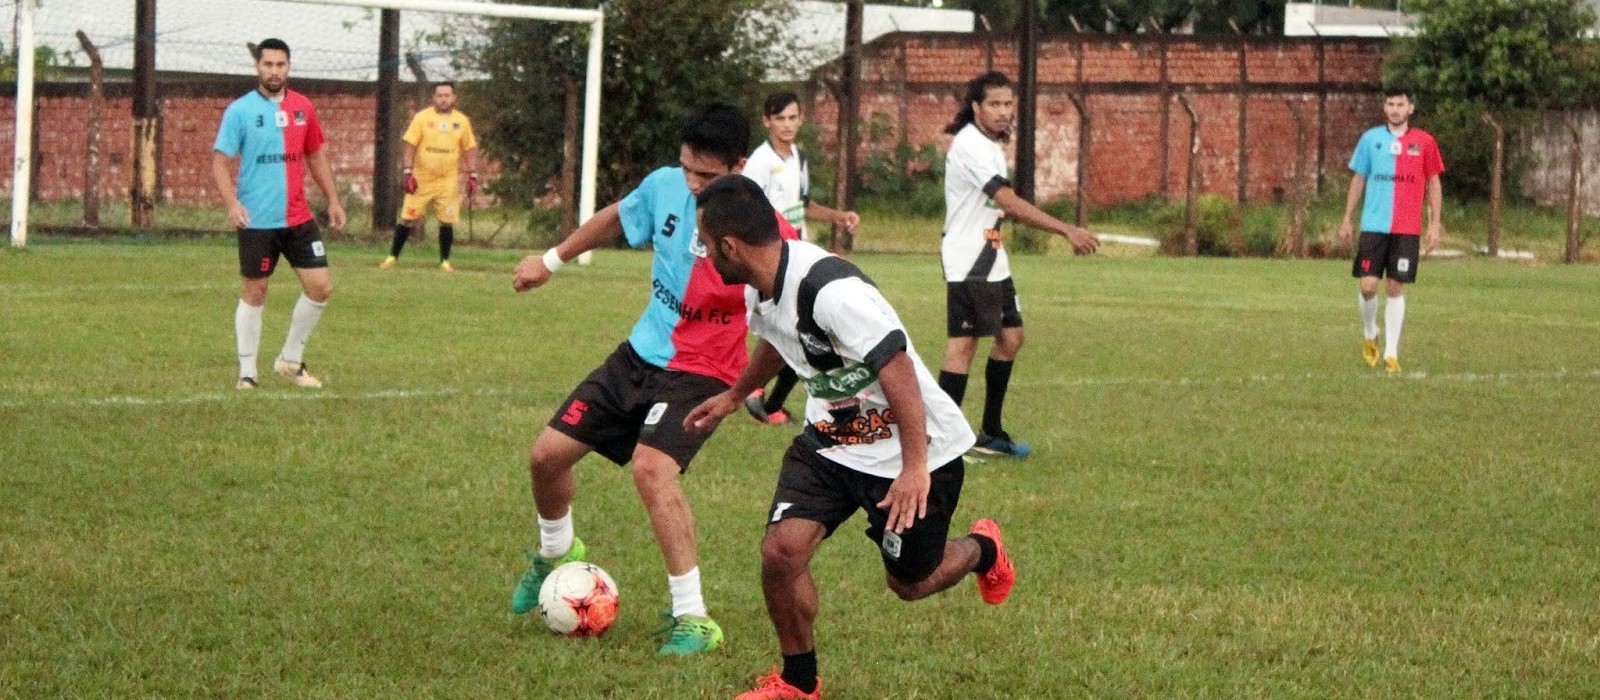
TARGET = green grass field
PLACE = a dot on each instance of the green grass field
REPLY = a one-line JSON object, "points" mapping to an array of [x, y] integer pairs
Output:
{"points": [[1224, 501]]}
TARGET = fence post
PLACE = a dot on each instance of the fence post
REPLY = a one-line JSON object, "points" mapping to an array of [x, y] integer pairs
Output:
{"points": [[1191, 241], [91, 160]]}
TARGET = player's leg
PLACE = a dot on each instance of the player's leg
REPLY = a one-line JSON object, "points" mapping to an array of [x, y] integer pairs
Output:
{"points": [[258, 257], [1370, 261], [303, 249], [447, 207], [920, 561], [781, 387], [1404, 255], [412, 210]]}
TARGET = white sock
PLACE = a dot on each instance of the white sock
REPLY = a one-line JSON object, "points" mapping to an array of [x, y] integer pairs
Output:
{"points": [[306, 315], [247, 332], [1369, 316], [555, 536], [686, 599], [1394, 316]]}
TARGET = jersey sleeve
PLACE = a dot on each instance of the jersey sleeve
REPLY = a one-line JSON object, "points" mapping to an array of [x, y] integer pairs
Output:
{"points": [[1361, 160], [638, 209], [314, 136], [230, 135], [861, 322], [1432, 160], [413, 133]]}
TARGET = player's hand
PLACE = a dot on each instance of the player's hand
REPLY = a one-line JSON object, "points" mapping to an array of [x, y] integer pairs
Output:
{"points": [[1344, 232], [1435, 232], [410, 183], [850, 221], [238, 215], [907, 500], [1082, 241], [531, 273], [472, 184], [335, 215], [709, 414]]}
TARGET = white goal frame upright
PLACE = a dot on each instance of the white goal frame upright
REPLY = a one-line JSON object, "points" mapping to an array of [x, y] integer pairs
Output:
{"points": [[591, 88]]}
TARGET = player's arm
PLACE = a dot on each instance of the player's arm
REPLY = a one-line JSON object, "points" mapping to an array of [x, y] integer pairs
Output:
{"points": [[222, 177], [1352, 199], [907, 499], [1435, 212], [819, 212], [322, 173], [1022, 210], [765, 364], [535, 270]]}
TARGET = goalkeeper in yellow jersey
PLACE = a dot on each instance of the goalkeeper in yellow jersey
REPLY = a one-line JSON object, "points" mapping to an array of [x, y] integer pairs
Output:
{"points": [[438, 141]]}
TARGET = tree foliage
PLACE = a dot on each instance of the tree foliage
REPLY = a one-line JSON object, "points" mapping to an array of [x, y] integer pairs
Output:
{"points": [[661, 61]]}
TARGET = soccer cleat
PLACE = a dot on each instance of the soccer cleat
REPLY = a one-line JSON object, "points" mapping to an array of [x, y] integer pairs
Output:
{"points": [[296, 372], [689, 634], [1369, 351], [446, 266], [995, 584], [526, 595], [246, 383], [1392, 364], [1003, 445], [755, 405], [779, 417], [387, 263], [773, 687]]}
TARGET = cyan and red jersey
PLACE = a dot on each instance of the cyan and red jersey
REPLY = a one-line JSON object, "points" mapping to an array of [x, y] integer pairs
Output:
{"points": [[1397, 169], [271, 140], [694, 322]]}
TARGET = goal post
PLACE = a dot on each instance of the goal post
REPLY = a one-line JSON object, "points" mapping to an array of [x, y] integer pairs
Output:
{"points": [[596, 20]]}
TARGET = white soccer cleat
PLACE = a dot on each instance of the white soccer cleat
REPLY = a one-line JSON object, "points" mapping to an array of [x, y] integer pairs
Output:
{"points": [[296, 372]]}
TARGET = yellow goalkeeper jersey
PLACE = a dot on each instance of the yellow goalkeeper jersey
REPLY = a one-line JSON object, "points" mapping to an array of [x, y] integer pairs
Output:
{"points": [[440, 140]]}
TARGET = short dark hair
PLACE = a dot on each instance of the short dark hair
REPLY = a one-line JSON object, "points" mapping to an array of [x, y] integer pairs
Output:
{"points": [[777, 102], [720, 130], [977, 89], [272, 44], [734, 206], [445, 83], [1400, 91]]}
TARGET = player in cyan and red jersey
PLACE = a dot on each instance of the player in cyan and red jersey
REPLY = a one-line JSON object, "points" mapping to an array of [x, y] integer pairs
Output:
{"points": [[687, 346], [1395, 164], [275, 135]]}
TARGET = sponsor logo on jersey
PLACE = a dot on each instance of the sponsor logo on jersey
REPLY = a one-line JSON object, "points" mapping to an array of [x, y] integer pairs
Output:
{"points": [[1413, 149], [282, 118], [1394, 148], [843, 382], [299, 117]]}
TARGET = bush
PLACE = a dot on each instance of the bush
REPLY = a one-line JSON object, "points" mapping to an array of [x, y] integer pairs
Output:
{"points": [[1217, 221]]}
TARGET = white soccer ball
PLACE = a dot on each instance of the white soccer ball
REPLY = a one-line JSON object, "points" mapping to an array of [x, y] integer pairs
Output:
{"points": [[578, 599]]}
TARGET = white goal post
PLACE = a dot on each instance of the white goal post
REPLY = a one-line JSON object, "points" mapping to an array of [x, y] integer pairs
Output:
{"points": [[596, 20]]}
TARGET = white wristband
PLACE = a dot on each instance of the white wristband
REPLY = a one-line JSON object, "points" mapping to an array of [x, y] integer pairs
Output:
{"points": [[552, 260]]}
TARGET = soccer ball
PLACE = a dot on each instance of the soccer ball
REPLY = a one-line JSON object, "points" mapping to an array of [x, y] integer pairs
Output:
{"points": [[578, 599]]}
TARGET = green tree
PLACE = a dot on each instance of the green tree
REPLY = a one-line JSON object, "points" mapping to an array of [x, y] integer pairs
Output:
{"points": [[661, 62]]}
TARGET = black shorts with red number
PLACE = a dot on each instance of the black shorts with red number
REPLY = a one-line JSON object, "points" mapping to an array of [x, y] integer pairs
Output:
{"points": [[627, 402], [300, 244], [980, 309], [813, 487], [1392, 254]]}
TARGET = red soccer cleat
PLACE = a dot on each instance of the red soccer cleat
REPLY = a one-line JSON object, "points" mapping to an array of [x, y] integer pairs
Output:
{"points": [[773, 687], [995, 586]]}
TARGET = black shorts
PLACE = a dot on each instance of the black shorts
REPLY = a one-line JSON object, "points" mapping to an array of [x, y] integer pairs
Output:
{"points": [[981, 309], [1392, 254], [627, 402], [300, 244], [812, 487]]}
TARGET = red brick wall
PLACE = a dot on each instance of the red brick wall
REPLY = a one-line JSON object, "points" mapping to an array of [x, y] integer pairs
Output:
{"points": [[1332, 81]]}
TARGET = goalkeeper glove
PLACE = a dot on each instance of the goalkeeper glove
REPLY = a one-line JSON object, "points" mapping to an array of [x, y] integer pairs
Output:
{"points": [[411, 182], [472, 184]]}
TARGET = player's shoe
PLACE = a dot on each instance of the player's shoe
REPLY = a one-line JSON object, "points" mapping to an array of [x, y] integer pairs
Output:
{"points": [[1002, 444], [526, 595], [689, 634], [779, 417], [756, 405], [388, 262], [446, 266], [1369, 351], [296, 372], [773, 687], [245, 383], [1392, 364], [995, 586]]}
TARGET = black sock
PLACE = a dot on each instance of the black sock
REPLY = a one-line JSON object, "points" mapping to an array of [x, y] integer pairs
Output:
{"points": [[997, 376], [780, 390], [401, 233], [953, 384], [447, 236], [800, 670], [986, 554]]}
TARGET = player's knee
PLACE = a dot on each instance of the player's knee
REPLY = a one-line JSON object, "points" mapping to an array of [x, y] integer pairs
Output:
{"points": [[320, 293], [782, 557], [908, 591], [543, 463]]}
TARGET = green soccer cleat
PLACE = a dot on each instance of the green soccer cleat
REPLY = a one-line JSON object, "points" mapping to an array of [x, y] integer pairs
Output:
{"points": [[689, 634], [526, 596]]}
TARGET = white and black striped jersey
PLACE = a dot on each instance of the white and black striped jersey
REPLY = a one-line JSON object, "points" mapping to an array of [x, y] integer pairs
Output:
{"points": [[787, 182], [833, 326], [974, 170]]}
